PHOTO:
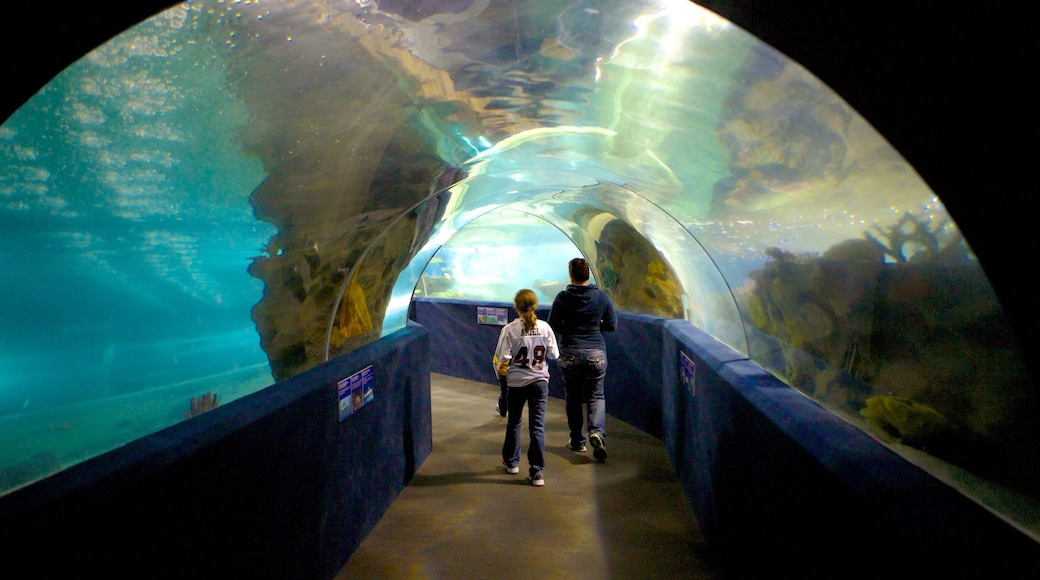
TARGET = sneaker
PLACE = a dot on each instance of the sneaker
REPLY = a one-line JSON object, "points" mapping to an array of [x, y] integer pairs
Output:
{"points": [[579, 449], [599, 450], [501, 413], [536, 480], [514, 470]]}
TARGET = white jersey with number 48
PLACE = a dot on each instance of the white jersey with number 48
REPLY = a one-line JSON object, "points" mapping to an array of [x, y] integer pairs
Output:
{"points": [[529, 351]]}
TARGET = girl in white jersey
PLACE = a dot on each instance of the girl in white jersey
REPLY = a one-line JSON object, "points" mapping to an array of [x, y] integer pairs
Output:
{"points": [[526, 345]]}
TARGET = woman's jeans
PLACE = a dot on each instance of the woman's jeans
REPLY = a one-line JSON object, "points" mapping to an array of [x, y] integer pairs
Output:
{"points": [[583, 372], [535, 395]]}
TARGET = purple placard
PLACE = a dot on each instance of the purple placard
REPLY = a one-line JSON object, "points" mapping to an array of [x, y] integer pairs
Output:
{"points": [[688, 373], [355, 392]]}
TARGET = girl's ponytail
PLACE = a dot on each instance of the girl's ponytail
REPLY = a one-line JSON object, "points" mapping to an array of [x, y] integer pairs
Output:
{"points": [[526, 301]]}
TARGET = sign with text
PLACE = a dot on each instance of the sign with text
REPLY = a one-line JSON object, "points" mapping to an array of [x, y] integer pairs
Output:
{"points": [[688, 373], [492, 315], [355, 392]]}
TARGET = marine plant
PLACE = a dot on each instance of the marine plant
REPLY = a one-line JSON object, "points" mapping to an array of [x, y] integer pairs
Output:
{"points": [[898, 420], [901, 330], [916, 232]]}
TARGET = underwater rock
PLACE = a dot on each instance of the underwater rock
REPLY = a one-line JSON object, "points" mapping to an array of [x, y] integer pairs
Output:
{"points": [[917, 346], [336, 181], [782, 130], [820, 306], [855, 251], [294, 282], [634, 274], [286, 361]]}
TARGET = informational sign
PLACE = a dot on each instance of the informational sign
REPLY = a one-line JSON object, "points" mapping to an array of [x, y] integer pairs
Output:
{"points": [[355, 392], [492, 315], [688, 373]]}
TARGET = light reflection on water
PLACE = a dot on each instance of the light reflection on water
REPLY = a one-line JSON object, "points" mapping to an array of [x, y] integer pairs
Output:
{"points": [[126, 222], [125, 233]]}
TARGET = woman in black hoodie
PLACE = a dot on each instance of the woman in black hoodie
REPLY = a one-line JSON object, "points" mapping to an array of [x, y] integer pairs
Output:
{"points": [[580, 315]]}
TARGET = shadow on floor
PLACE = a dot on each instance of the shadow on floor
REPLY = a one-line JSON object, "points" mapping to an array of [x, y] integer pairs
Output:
{"points": [[462, 516]]}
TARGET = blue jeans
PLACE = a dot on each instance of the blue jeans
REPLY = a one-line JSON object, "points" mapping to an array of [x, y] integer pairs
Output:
{"points": [[536, 395], [503, 396], [583, 372]]}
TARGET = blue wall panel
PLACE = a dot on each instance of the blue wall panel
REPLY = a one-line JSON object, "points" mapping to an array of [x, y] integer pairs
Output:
{"points": [[633, 384], [777, 481], [269, 486], [274, 485], [778, 484], [459, 347]]}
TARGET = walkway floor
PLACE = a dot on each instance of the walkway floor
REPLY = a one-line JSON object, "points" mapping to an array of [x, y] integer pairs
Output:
{"points": [[462, 516]]}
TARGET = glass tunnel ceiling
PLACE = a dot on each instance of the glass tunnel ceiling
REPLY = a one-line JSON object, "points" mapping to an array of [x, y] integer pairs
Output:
{"points": [[230, 193]]}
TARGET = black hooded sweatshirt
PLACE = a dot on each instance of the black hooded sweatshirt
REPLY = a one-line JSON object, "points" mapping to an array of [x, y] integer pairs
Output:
{"points": [[580, 315]]}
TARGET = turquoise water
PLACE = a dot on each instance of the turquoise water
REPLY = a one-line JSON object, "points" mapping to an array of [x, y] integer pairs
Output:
{"points": [[125, 234], [212, 199], [475, 264]]}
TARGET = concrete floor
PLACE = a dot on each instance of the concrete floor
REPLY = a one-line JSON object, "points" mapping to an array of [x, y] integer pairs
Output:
{"points": [[462, 516]]}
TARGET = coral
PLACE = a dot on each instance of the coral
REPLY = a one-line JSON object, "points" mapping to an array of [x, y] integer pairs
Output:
{"points": [[782, 133], [782, 255], [654, 269], [200, 405], [756, 312], [902, 329], [354, 318], [634, 273], [855, 251], [900, 420], [916, 233]]}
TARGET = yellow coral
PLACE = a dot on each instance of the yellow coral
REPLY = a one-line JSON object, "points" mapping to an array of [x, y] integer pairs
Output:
{"points": [[757, 312], [897, 419], [354, 318]]}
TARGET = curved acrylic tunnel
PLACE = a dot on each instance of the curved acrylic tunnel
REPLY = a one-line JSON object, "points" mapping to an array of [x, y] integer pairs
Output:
{"points": [[568, 177], [230, 193]]}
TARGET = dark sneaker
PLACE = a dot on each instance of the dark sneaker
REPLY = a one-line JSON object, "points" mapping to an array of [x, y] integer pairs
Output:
{"points": [[577, 449], [514, 470], [599, 450], [536, 480], [501, 413]]}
